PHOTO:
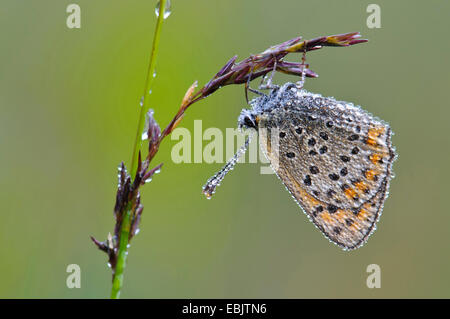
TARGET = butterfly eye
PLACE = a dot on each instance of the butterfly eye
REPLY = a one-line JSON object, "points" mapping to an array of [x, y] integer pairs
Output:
{"points": [[249, 122]]}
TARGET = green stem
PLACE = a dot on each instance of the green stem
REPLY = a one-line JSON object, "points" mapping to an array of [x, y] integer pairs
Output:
{"points": [[126, 222], [148, 85], [122, 255]]}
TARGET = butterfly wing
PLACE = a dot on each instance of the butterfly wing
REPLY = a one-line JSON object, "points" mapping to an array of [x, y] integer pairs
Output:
{"points": [[335, 159]]}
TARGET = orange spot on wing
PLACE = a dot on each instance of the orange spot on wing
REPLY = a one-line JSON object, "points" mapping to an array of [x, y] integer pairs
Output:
{"points": [[350, 193], [326, 217], [340, 216], [309, 200], [362, 215], [375, 158], [373, 134], [371, 141], [370, 174], [355, 226], [361, 186]]}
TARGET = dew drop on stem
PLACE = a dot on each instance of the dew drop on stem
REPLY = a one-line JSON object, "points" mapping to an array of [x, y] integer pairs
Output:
{"points": [[167, 10]]}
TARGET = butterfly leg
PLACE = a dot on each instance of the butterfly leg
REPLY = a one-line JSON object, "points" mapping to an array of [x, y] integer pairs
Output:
{"points": [[247, 86], [268, 85], [301, 83]]}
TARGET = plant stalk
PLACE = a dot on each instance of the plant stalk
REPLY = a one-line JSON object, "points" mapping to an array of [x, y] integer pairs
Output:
{"points": [[126, 222], [148, 85], [122, 255]]}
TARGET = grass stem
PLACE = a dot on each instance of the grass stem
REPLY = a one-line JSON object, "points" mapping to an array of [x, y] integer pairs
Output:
{"points": [[126, 222]]}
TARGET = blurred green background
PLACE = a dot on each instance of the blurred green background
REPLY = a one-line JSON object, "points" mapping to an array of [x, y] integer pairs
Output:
{"points": [[69, 106]]}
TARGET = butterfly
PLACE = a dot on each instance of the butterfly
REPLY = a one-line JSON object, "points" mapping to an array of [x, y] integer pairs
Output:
{"points": [[332, 156]]}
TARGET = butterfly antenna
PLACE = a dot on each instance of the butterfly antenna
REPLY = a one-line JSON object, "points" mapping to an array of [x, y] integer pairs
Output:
{"points": [[210, 187]]}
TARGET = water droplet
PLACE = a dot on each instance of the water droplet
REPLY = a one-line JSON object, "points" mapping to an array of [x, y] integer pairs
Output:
{"points": [[109, 265], [137, 231], [144, 136], [141, 103], [150, 92], [167, 10], [154, 74], [148, 180], [128, 246]]}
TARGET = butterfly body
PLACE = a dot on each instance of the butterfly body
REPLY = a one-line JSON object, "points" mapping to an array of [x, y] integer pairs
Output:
{"points": [[333, 157]]}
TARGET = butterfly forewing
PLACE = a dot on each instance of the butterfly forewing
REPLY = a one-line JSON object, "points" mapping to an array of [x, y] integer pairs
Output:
{"points": [[335, 159]]}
